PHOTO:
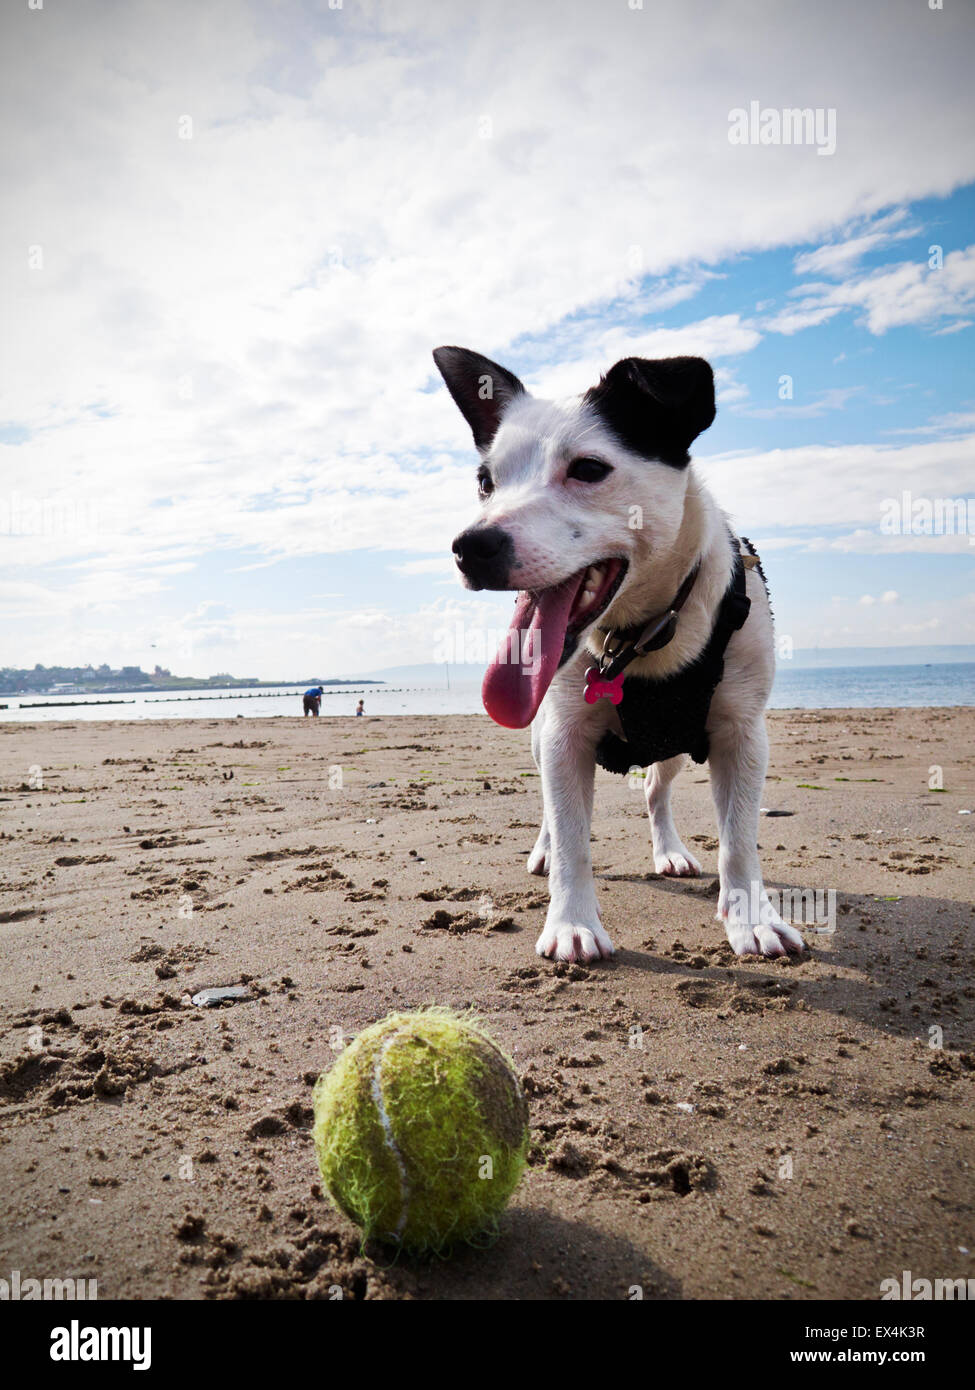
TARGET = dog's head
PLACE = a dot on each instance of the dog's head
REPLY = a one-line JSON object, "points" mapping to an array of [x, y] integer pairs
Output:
{"points": [[573, 496]]}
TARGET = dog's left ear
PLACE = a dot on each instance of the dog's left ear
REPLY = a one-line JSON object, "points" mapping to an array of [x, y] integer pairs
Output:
{"points": [[481, 388], [656, 407]]}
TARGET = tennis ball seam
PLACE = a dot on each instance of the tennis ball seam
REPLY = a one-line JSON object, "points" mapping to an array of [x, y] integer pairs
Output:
{"points": [[391, 1144]]}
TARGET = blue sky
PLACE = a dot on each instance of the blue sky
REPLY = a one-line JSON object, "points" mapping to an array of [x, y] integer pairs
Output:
{"points": [[238, 231]]}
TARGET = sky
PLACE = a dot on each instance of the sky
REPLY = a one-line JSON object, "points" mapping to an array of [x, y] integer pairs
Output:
{"points": [[233, 233]]}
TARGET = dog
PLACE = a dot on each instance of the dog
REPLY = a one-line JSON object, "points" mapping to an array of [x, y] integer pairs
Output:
{"points": [[642, 628]]}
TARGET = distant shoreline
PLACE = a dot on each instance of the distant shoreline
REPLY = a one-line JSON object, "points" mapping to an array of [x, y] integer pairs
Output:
{"points": [[187, 685]]}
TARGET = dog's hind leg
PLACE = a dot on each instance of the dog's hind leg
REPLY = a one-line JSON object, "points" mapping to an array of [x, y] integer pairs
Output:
{"points": [[739, 758], [670, 855], [538, 860]]}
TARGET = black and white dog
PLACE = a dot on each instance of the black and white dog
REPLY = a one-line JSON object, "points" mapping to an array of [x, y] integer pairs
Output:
{"points": [[641, 631]]}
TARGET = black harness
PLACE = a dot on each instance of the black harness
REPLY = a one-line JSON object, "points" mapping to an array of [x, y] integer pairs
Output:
{"points": [[666, 716]]}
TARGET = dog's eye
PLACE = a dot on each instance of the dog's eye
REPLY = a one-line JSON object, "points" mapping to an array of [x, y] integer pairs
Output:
{"points": [[589, 470], [485, 485]]}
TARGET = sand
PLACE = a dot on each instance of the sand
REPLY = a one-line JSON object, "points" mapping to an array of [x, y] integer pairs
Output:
{"points": [[703, 1127]]}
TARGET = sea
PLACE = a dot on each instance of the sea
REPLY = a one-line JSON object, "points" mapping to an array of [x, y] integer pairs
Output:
{"points": [[839, 687]]}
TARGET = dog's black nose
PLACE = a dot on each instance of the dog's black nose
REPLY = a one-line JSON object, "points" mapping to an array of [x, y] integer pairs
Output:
{"points": [[483, 556]]}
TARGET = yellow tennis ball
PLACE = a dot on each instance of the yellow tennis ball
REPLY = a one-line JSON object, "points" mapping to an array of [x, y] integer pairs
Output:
{"points": [[421, 1130]]}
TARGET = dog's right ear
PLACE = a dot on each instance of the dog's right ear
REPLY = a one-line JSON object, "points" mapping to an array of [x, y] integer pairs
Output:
{"points": [[483, 390], [656, 407]]}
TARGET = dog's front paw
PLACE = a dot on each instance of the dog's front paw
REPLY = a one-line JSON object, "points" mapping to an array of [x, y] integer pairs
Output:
{"points": [[676, 863], [768, 936], [576, 941]]}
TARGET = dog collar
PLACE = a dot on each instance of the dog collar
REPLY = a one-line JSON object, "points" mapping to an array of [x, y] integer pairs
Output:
{"points": [[625, 644], [665, 716]]}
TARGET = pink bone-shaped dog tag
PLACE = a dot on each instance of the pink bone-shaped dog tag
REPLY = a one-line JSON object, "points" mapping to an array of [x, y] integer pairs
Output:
{"points": [[596, 687]]}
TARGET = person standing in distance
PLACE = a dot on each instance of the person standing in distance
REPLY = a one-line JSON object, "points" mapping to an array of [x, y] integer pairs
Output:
{"points": [[312, 699]]}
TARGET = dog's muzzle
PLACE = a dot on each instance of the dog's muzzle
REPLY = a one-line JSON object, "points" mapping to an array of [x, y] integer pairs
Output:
{"points": [[484, 555]]}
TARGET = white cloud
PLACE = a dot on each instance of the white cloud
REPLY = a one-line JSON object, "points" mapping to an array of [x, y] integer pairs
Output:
{"points": [[728, 389], [726, 335], [838, 257], [890, 297], [833, 399], [437, 564], [864, 542], [951, 328], [956, 421], [829, 486], [799, 317], [888, 596]]}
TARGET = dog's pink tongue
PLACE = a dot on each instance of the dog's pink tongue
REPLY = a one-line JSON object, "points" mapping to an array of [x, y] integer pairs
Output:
{"points": [[528, 657]]}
